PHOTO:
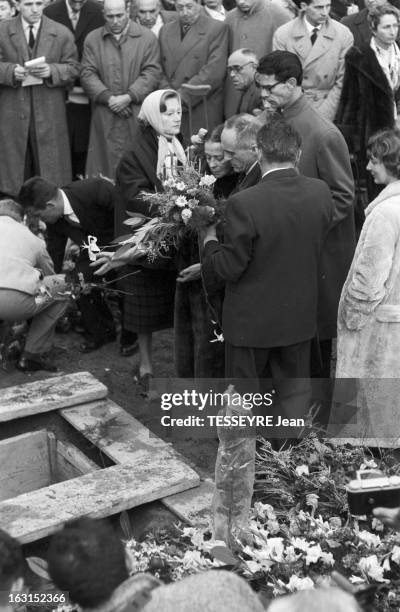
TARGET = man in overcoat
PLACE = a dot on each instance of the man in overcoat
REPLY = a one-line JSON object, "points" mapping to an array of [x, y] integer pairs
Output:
{"points": [[80, 17], [321, 43], [324, 155], [120, 67], [33, 126], [194, 50]]}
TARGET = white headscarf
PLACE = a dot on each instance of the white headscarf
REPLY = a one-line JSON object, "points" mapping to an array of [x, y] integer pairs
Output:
{"points": [[150, 112]]}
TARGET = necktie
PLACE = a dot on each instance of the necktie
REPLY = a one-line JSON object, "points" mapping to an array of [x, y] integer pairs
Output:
{"points": [[314, 35], [31, 38]]}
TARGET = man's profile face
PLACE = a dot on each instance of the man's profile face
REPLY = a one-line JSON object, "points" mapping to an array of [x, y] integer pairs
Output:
{"points": [[147, 12], [31, 10], [317, 12], [241, 69], [241, 159], [274, 94], [6, 12], [116, 15], [188, 11], [245, 6]]}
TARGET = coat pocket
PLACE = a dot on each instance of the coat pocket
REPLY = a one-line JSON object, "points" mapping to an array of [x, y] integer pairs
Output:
{"points": [[390, 313]]}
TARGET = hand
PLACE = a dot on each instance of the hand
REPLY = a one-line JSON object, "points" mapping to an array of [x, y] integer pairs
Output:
{"points": [[41, 72], [388, 516], [125, 113], [104, 260], [190, 274], [19, 73], [119, 103]]}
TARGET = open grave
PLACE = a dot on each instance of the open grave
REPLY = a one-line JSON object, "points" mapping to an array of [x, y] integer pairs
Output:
{"points": [[45, 482]]}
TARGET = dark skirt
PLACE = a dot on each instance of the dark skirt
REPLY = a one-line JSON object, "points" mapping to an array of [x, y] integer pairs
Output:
{"points": [[149, 303]]}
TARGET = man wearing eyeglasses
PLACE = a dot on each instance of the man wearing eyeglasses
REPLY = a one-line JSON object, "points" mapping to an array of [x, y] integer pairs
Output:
{"points": [[324, 155], [321, 44], [242, 65]]}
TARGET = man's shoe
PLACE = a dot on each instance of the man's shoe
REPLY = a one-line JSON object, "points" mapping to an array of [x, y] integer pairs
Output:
{"points": [[90, 344], [34, 365], [127, 350]]}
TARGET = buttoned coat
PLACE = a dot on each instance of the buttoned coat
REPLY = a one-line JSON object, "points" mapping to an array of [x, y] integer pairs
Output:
{"points": [[45, 103], [325, 156], [110, 68], [323, 63], [199, 59]]}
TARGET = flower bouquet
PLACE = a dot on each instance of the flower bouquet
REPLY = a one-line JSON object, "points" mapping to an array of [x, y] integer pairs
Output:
{"points": [[185, 205]]}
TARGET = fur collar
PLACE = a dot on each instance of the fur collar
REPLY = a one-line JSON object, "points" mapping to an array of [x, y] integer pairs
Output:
{"points": [[392, 190], [364, 60]]}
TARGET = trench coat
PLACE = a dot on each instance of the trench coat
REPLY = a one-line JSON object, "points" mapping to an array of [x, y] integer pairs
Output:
{"points": [[323, 62], [109, 68], [199, 59], [369, 319], [45, 103]]}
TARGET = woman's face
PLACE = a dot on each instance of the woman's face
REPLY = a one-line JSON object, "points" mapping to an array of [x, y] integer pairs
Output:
{"points": [[171, 117], [379, 173], [387, 30], [218, 165]]}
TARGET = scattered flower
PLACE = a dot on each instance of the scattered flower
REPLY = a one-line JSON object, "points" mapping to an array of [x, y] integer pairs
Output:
{"points": [[302, 470], [299, 584], [186, 214]]}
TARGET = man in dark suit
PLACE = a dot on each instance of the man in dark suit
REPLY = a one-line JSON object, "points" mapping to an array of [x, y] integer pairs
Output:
{"points": [[239, 141], [77, 210], [324, 155], [270, 260], [241, 69], [81, 17]]}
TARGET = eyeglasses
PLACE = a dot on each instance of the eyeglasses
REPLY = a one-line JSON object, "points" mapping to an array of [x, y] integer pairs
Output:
{"points": [[268, 88], [238, 69]]}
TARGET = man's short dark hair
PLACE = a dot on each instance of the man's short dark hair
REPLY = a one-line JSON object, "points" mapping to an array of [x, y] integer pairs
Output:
{"points": [[283, 64], [11, 561], [36, 192], [279, 142], [87, 559]]}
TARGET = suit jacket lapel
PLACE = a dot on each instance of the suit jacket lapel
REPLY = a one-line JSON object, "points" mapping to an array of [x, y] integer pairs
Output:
{"points": [[322, 44], [301, 38], [84, 19], [46, 36], [63, 16], [196, 33]]}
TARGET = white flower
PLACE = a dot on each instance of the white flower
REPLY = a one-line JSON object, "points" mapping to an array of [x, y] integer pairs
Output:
{"points": [[302, 469], [370, 567], [300, 544], [207, 180], [395, 556], [180, 186], [181, 201], [169, 183], [299, 584], [273, 527], [370, 539], [290, 555], [254, 566], [327, 558], [368, 464], [356, 580], [377, 525], [275, 549], [314, 553], [264, 511], [186, 214], [193, 203]]}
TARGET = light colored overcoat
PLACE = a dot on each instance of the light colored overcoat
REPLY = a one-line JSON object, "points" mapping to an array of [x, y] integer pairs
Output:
{"points": [[199, 59], [368, 347], [131, 66], [46, 103], [323, 62]]}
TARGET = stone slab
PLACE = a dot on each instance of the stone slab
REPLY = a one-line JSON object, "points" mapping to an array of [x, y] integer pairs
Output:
{"points": [[49, 394]]}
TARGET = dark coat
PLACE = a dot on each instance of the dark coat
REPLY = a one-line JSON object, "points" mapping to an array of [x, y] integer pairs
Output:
{"points": [[90, 18], [324, 155], [270, 259], [359, 26], [199, 59], [248, 180], [46, 103], [367, 100], [92, 202]]}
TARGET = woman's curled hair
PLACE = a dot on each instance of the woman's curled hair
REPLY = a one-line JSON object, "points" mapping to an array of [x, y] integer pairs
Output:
{"points": [[384, 147]]}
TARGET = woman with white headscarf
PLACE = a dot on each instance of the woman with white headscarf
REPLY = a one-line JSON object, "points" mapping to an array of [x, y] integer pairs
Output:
{"points": [[149, 303]]}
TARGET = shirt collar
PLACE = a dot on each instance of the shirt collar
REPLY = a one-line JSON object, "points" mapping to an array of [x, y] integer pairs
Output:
{"points": [[26, 26], [68, 210], [251, 168], [219, 14], [275, 170], [72, 13], [311, 27]]}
